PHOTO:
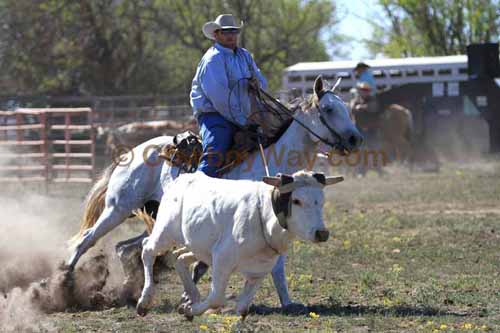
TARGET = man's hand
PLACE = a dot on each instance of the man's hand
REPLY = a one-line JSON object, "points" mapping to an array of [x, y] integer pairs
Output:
{"points": [[254, 83], [360, 107]]}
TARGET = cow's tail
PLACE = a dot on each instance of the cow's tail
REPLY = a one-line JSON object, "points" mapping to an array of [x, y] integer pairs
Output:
{"points": [[94, 203], [148, 220]]}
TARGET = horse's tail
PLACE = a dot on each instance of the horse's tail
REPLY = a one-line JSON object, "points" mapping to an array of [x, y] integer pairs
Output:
{"points": [[94, 203], [148, 220], [411, 126]]}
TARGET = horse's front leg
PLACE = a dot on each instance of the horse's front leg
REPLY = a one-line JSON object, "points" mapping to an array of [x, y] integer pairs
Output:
{"points": [[129, 253]]}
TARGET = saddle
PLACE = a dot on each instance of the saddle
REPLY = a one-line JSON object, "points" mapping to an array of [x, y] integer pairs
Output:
{"points": [[186, 150]]}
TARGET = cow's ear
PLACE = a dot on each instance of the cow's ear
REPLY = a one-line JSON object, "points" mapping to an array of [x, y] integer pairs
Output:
{"points": [[271, 180], [333, 180], [320, 177], [285, 179]]}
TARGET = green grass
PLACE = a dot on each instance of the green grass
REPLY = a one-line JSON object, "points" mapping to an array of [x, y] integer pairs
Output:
{"points": [[409, 252]]}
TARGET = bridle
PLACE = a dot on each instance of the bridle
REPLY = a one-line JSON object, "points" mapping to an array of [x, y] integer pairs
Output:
{"points": [[273, 105]]}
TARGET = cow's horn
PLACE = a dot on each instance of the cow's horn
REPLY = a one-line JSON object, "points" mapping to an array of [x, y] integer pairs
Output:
{"points": [[271, 180], [333, 180]]}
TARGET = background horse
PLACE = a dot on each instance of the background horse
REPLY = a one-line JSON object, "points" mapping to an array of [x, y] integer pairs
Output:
{"points": [[140, 183], [396, 127], [133, 134], [389, 137]]}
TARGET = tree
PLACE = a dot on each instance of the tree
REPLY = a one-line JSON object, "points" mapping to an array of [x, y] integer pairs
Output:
{"points": [[110, 47], [278, 33], [434, 27]]}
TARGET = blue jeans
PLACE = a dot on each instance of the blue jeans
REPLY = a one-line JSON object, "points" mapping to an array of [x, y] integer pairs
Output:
{"points": [[216, 138]]}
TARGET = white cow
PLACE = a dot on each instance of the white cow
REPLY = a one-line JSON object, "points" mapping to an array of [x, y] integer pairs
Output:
{"points": [[234, 225]]}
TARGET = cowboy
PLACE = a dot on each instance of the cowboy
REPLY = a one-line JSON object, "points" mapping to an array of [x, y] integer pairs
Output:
{"points": [[220, 91], [364, 74], [367, 113], [365, 107]]}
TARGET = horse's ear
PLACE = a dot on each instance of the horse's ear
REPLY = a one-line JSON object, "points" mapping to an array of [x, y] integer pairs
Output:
{"points": [[318, 86], [336, 84], [333, 180], [273, 181]]}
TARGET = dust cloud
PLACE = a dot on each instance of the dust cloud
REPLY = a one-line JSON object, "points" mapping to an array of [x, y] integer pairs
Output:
{"points": [[33, 248]]}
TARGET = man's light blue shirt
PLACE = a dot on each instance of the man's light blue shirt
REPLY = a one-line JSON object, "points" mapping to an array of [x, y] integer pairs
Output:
{"points": [[367, 76], [221, 83]]}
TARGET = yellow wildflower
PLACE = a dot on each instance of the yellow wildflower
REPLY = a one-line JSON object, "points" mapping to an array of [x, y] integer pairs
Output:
{"points": [[204, 327], [396, 268], [313, 315], [443, 327], [387, 302], [467, 326], [347, 244]]}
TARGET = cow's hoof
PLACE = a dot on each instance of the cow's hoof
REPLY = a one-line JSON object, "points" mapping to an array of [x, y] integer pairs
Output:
{"points": [[294, 308], [141, 311]]}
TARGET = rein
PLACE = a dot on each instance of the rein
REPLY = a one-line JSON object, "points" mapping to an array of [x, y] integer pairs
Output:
{"points": [[278, 106], [275, 106]]}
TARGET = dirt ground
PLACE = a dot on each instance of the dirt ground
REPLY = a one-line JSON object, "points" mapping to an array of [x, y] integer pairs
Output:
{"points": [[410, 252]]}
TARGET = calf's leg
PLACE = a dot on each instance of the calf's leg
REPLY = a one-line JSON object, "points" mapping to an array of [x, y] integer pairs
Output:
{"points": [[247, 295], [279, 279], [223, 264], [153, 246], [182, 268]]}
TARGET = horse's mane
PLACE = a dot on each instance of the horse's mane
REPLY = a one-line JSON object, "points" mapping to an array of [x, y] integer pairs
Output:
{"points": [[303, 104]]}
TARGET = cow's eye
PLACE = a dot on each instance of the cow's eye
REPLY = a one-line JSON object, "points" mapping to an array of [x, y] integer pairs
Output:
{"points": [[297, 202]]}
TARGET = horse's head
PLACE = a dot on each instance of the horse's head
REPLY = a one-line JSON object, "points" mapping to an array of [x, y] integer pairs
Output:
{"points": [[336, 125]]}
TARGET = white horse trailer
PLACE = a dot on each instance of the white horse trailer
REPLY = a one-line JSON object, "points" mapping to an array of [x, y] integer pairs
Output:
{"points": [[389, 73]]}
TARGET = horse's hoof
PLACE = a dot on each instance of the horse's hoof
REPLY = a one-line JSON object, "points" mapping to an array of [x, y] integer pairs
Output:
{"points": [[141, 311], [66, 267], [187, 311], [180, 309], [185, 298], [294, 308], [244, 314]]}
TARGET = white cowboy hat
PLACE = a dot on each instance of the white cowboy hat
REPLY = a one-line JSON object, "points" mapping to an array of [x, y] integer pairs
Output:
{"points": [[224, 21]]}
